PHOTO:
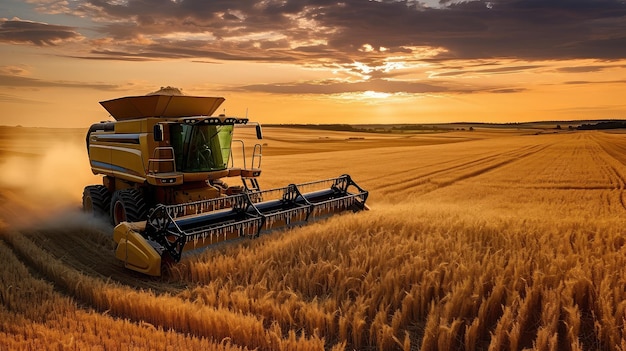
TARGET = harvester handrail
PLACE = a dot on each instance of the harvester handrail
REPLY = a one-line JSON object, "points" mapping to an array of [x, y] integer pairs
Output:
{"points": [[243, 153], [299, 185], [274, 193], [256, 154]]}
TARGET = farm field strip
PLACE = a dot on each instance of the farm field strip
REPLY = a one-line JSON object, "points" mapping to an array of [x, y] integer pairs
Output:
{"points": [[213, 294], [613, 145], [617, 162], [376, 165], [379, 169], [284, 141], [571, 178], [35, 316], [443, 167], [507, 243], [89, 248], [160, 311], [447, 176], [579, 165], [616, 181]]}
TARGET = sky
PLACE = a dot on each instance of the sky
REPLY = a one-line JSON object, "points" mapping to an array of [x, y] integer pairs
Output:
{"points": [[317, 61]]}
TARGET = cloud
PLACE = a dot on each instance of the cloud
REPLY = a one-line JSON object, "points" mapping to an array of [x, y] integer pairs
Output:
{"points": [[361, 40], [588, 68], [15, 70], [189, 49], [375, 85], [334, 87], [51, 6], [507, 90], [17, 31], [319, 30], [489, 71], [17, 99], [322, 30], [583, 69], [587, 82], [522, 29], [18, 81]]}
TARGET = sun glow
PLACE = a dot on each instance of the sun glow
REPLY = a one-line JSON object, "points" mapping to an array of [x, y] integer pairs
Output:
{"points": [[205, 36], [375, 95], [368, 96]]}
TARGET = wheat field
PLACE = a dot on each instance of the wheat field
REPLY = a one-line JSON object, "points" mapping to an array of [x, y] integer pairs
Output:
{"points": [[487, 240]]}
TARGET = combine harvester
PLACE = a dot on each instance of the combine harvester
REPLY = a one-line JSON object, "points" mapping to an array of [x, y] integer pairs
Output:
{"points": [[162, 163]]}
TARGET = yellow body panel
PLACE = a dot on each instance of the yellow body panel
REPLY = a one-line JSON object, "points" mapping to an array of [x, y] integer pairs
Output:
{"points": [[172, 178], [189, 195], [200, 176], [123, 153], [134, 250], [132, 126]]}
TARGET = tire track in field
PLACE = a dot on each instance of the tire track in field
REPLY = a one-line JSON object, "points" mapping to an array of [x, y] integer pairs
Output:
{"points": [[617, 178], [456, 166], [93, 254], [606, 163], [410, 171], [74, 240], [593, 151], [470, 169], [402, 175], [614, 180], [613, 174]]}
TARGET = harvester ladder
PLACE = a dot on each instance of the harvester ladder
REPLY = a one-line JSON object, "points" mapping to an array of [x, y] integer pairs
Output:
{"points": [[251, 184]]}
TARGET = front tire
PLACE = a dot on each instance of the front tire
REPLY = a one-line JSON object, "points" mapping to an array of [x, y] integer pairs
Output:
{"points": [[128, 205], [96, 200]]}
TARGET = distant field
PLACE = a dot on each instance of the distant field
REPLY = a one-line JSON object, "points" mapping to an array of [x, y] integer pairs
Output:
{"points": [[504, 239]]}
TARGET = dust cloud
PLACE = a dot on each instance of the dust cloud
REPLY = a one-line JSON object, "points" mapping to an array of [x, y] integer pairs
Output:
{"points": [[44, 184]]}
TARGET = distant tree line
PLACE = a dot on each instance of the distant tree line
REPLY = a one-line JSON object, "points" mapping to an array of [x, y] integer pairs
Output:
{"points": [[603, 125], [335, 127], [411, 127]]}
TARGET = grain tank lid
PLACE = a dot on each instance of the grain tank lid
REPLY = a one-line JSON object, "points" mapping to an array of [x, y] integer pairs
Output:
{"points": [[133, 107]]}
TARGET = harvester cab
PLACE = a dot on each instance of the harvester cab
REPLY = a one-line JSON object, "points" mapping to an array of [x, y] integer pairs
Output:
{"points": [[163, 162]]}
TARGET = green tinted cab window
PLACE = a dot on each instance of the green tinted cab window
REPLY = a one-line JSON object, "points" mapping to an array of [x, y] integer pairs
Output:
{"points": [[201, 148]]}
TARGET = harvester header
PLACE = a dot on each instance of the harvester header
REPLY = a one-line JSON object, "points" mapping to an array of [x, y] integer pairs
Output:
{"points": [[174, 229], [164, 162]]}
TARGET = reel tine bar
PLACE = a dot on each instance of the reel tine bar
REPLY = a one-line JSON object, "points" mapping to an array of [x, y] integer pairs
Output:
{"points": [[210, 221]]}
